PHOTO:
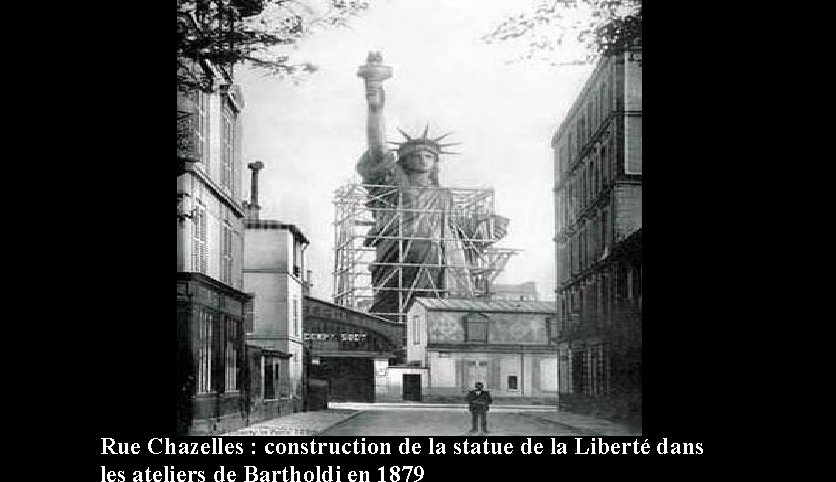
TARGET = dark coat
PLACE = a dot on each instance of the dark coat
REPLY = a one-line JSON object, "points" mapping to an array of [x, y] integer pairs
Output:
{"points": [[479, 402]]}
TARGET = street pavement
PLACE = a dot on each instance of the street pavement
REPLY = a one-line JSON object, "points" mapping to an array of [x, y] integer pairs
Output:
{"points": [[297, 424], [434, 422], [425, 419]]}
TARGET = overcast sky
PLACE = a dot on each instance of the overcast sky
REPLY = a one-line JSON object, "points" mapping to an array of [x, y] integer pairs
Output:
{"points": [[310, 136]]}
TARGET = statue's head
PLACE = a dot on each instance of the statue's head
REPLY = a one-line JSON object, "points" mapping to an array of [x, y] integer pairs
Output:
{"points": [[421, 154], [418, 157]]}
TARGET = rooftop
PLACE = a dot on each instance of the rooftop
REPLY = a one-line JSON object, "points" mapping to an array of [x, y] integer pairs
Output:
{"points": [[463, 304], [250, 223], [525, 288]]}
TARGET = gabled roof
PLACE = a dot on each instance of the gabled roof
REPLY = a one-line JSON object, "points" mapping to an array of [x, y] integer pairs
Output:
{"points": [[463, 304]]}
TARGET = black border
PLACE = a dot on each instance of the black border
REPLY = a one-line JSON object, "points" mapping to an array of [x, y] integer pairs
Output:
{"points": [[129, 347]]}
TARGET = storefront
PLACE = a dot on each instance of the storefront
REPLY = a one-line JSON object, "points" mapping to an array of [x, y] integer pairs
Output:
{"points": [[350, 350]]}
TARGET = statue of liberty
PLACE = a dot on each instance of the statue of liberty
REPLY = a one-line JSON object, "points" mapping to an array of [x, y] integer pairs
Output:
{"points": [[425, 246]]}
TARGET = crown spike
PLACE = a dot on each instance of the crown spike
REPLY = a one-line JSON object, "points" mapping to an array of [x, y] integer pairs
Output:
{"points": [[404, 134], [442, 137], [426, 130], [449, 144]]}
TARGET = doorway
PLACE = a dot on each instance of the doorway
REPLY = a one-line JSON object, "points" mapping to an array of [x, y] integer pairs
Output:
{"points": [[350, 379], [412, 388]]}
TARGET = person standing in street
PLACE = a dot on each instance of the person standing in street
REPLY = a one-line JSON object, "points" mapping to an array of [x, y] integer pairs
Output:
{"points": [[479, 403]]}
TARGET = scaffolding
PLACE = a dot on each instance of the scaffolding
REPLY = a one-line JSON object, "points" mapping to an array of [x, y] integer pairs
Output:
{"points": [[370, 219]]}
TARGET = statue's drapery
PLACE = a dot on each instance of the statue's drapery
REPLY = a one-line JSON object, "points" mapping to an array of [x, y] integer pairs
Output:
{"points": [[408, 212]]}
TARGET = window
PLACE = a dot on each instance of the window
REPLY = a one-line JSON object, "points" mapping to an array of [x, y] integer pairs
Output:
{"points": [[226, 254], [573, 254], [204, 351], [590, 172], [605, 298], [296, 318], [272, 377], [512, 382], [551, 325], [582, 188], [571, 202], [200, 130], [584, 251], [227, 150], [590, 126], [416, 331], [231, 352], [605, 100], [476, 328], [605, 174], [604, 231], [199, 251], [571, 150]]}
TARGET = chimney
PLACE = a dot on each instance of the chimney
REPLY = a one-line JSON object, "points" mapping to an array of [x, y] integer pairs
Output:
{"points": [[252, 207], [306, 286]]}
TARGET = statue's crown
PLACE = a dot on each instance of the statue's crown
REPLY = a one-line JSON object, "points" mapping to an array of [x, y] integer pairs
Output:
{"points": [[413, 144]]}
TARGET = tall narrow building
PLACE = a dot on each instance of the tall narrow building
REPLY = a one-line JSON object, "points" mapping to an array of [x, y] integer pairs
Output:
{"points": [[598, 223], [211, 305], [274, 271]]}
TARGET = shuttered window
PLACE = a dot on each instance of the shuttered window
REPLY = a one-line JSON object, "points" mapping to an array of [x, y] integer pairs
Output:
{"points": [[226, 254], [227, 150], [199, 234], [201, 129]]}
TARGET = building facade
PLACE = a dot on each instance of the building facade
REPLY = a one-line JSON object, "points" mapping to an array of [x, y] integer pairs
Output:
{"points": [[598, 223], [211, 303], [507, 345], [274, 255]]}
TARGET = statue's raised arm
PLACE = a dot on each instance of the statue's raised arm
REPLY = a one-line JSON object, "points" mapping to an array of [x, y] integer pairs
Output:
{"points": [[374, 73]]}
